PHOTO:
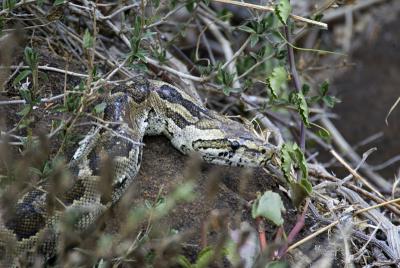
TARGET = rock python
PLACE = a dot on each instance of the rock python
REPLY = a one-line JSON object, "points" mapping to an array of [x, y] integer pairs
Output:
{"points": [[134, 109]]}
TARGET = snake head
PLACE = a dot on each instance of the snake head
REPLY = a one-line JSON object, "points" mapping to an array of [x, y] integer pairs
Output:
{"points": [[249, 152], [234, 144]]}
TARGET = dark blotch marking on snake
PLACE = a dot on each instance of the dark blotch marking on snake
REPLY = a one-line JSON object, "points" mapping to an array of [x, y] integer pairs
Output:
{"points": [[138, 90], [118, 146], [28, 220], [94, 162], [178, 119], [114, 111], [173, 96]]}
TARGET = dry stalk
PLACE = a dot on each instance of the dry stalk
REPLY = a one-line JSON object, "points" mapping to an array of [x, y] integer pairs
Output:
{"points": [[354, 172], [271, 9]]}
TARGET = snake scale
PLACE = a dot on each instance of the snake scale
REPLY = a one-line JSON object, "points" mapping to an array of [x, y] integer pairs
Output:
{"points": [[136, 108]]}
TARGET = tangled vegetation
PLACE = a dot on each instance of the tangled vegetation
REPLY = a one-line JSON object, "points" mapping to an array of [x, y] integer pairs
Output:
{"points": [[58, 58]]}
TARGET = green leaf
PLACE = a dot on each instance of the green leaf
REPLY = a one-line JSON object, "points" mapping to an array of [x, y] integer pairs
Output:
{"points": [[292, 158], [269, 206], [281, 54], [303, 109], [282, 10], [87, 40], [307, 185], [324, 88], [25, 110], [246, 29], [293, 161], [224, 77], [58, 2], [190, 5], [231, 252], [267, 23], [254, 39], [298, 99], [137, 35], [160, 55], [21, 76], [73, 100], [301, 160], [184, 262], [156, 3], [314, 99], [322, 132], [26, 94], [275, 81], [44, 77], [99, 108], [204, 258], [31, 57], [286, 161], [330, 101], [226, 91], [318, 17], [305, 89]]}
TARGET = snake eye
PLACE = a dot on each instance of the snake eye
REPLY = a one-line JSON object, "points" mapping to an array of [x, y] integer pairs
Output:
{"points": [[263, 151], [235, 145]]}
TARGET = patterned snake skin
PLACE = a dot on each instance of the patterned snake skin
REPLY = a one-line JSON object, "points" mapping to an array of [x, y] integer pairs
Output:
{"points": [[137, 108]]}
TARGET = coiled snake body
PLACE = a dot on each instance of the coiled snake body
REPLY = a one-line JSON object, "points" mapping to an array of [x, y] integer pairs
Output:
{"points": [[138, 108]]}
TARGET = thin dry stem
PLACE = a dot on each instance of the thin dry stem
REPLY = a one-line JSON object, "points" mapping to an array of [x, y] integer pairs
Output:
{"points": [[334, 223], [271, 9], [354, 173]]}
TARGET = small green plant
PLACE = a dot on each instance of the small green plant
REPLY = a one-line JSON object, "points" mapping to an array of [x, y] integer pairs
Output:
{"points": [[32, 59], [259, 28], [87, 40], [269, 206], [295, 170], [136, 52], [322, 96], [29, 94], [9, 4], [226, 79], [203, 260]]}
